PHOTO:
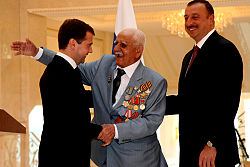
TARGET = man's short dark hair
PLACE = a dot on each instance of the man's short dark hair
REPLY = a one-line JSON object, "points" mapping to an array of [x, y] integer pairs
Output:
{"points": [[73, 28], [208, 6]]}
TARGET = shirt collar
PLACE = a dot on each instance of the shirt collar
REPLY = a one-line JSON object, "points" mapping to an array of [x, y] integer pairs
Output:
{"points": [[203, 40], [68, 59], [130, 69]]}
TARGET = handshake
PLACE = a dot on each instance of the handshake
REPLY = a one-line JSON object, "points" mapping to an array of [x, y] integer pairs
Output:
{"points": [[107, 134]]}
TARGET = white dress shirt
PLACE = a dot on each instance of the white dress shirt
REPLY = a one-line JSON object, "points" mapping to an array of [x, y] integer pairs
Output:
{"points": [[68, 59], [203, 40]]}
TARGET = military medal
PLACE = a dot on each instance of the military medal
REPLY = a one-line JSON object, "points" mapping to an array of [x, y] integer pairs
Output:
{"points": [[118, 120], [137, 100], [132, 100], [142, 107], [136, 107], [109, 79], [146, 86], [143, 95], [127, 97], [135, 115], [128, 113], [147, 92], [125, 104], [129, 91], [121, 112], [130, 107], [149, 85], [143, 87]]}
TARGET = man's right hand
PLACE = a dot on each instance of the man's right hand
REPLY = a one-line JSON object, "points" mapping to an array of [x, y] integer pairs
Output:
{"points": [[26, 48]]}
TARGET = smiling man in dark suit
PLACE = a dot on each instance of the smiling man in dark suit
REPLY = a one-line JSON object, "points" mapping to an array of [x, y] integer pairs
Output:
{"points": [[65, 102], [208, 94]]}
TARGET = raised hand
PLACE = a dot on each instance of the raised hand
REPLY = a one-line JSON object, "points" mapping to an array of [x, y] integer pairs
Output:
{"points": [[26, 48], [107, 134]]}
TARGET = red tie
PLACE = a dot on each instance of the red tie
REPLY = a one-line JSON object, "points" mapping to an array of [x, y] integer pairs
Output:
{"points": [[196, 49]]}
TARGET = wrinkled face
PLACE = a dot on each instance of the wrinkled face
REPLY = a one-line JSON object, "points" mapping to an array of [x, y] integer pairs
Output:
{"points": [[197, 21], [126, 53], [84, 48]]}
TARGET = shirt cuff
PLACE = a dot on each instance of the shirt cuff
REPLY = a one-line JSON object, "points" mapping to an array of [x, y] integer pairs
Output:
{"points": [[116, 132], [39, 54]]}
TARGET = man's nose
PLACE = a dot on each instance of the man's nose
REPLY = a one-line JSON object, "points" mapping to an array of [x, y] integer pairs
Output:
{"points": [[116, 48]]}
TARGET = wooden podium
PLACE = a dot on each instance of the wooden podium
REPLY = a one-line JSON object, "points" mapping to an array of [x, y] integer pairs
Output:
{"points": [[9, 124]]}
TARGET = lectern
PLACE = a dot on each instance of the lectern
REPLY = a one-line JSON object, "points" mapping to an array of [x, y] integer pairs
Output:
{"points": [[9, 124]]}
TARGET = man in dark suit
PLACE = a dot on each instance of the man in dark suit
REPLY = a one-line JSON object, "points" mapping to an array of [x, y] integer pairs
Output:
{"points": [[208, 94], [67, 131]]}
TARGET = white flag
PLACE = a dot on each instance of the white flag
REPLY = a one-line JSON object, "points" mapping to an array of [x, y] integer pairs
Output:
{"points": [[125, 18]]}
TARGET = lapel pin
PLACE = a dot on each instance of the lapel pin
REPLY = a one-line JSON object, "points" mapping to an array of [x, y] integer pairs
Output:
{"points": [[109, 79]]}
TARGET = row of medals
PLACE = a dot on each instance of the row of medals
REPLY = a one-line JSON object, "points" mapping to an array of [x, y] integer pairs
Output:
{"points": [[134, 102]]}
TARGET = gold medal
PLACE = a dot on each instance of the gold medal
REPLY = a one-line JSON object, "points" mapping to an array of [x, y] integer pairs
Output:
{"points": [[130, 107], [143, 95], [136, 107]]}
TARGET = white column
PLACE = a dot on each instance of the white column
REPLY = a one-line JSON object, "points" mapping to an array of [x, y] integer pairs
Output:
{"points": [[243, 32]]}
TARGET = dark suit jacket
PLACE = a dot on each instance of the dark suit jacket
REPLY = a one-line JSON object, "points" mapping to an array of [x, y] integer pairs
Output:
{"points": [[67, 131], [207, 101]]}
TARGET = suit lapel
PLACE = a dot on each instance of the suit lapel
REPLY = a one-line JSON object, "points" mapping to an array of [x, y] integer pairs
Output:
{"points": [[110, 83], [201, 54]]}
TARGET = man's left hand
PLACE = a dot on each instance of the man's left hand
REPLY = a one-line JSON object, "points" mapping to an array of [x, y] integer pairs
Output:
{"points": [[107, 134], [207, 157]]}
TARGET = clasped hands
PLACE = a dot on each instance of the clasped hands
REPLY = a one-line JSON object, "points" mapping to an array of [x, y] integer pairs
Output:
{"points": [[107, 134]]}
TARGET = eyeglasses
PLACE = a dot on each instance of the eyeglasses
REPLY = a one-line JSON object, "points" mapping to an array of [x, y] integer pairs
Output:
{"points": [[122, 44]]}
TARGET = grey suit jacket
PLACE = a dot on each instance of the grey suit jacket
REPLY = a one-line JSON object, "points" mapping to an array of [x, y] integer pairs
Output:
{"points": [[137, 144]]}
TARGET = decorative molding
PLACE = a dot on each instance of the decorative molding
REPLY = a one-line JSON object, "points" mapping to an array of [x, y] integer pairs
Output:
{"points": [[139, 7]]}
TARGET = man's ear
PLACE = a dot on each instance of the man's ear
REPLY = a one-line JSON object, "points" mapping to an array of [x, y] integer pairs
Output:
{"points": [[139, 51], [72, 43], [212, 22]]}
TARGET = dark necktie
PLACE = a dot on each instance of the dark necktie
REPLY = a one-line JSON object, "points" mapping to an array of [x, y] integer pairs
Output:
{"points": [[196, 49], [116, 83]]}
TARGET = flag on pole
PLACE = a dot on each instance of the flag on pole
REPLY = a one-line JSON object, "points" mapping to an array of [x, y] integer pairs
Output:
{"points": [[125, 18]]}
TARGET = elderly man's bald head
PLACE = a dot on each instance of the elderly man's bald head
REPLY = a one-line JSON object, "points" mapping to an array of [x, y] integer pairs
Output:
{"points": [[138, 36]]}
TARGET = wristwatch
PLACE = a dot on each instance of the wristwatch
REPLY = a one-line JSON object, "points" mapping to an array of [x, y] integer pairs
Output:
{"points": [[209, 144]]}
